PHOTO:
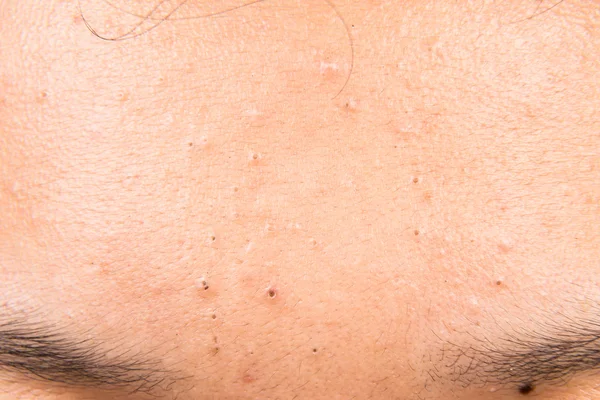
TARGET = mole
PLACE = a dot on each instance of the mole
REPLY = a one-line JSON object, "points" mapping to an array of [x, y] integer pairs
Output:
{"points": [[526, 388]]}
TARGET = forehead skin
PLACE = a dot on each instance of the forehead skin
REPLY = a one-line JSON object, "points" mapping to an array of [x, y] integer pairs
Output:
{"points": [[203, 194]]}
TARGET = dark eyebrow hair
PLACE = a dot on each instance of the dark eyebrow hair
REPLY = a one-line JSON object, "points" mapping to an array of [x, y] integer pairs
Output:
{"points": [[44, 352], [549, 355]]}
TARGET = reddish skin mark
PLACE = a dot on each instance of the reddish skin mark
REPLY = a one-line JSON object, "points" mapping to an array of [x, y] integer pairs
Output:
{"points": [[247, 378], [123, 96], [503, 248], [427, 196]]}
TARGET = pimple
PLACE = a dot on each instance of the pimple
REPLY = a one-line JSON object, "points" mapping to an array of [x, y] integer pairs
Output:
{"points": [[247, 378], [504, 246], [202, 283], [351, 105]]}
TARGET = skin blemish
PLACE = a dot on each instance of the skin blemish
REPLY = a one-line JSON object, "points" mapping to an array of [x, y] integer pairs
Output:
{"points": [[415, 180], [202, 283], [417, 232], [351, 105], [272, 293], [327, 67], [526, 388], [214, 316], [503, 248], [314, 350]]}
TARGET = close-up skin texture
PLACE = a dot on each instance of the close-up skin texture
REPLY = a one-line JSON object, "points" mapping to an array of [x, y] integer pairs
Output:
{"points": [[285, 199]]}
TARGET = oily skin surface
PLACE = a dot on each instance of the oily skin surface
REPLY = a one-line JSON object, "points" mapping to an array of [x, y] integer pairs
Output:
{"points": [[451, 189]]}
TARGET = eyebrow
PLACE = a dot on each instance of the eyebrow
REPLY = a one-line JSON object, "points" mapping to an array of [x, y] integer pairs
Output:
{"points": [[45, 352], [549, 354]]}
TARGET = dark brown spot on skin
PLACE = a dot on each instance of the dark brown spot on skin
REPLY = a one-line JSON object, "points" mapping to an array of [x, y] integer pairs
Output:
{"points": [[215, 350], [417, 232], [272, 293], [498, 282], [415, 180], [526, 388], [190, 144], [214, 316], [314, 350]]}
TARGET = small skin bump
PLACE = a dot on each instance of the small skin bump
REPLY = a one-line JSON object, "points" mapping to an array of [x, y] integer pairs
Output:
{"points": [[272, 292], [526, 388], [351, 105], [202, 283]]}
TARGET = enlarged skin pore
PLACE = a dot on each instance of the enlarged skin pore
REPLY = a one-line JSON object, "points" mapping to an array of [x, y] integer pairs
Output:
{"points": [[299, 200]]}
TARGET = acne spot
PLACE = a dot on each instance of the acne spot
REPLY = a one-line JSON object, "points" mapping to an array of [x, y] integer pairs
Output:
{"points": [[417, 232], [247, 378], [255, 156], [213, 238], [504, 247], [42, 97], [272, 293], [526, 388], [202, 283], [215, 350], [351, 105], [427, 196], [415, 179], [123, 96]]}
